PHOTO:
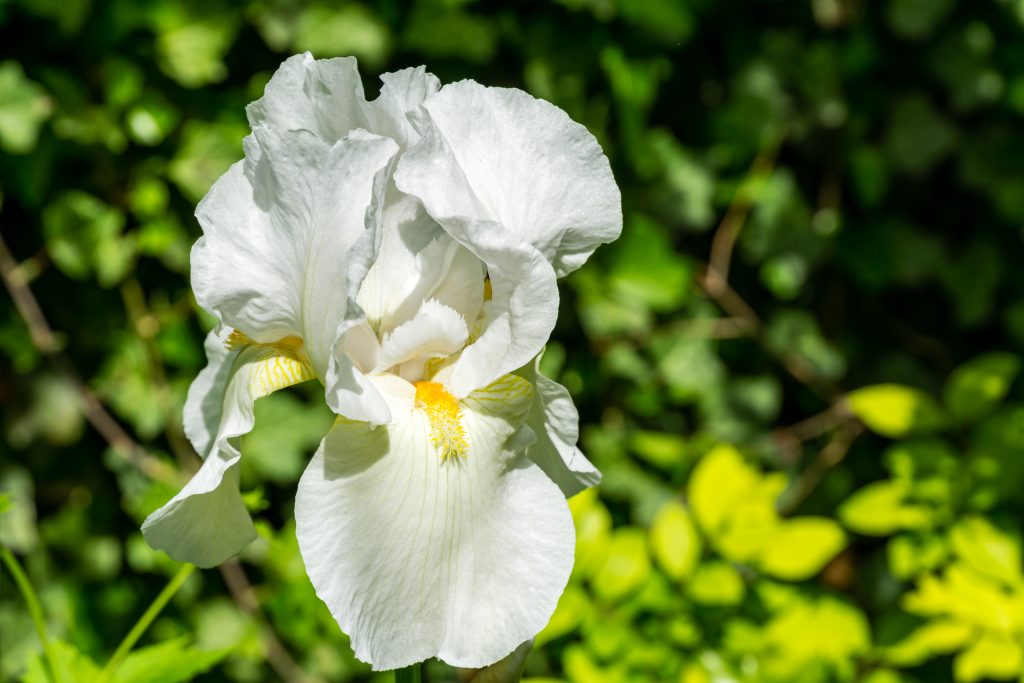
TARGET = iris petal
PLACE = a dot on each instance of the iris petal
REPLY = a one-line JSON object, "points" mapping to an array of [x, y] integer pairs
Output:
{"points": [[420, 556], [206, 523]]}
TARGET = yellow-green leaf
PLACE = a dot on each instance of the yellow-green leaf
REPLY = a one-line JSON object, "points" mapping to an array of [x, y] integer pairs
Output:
{"points": [[572, 607], [976, 387], [675, 541], [719, 481], [895, 410], [801, 547], [939, 637], [626, 566], [593, 530], [988, 550], [880, 509], [716, 583], [991, 657]]}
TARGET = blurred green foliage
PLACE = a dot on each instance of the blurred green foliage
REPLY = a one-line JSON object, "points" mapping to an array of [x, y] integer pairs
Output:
{"points": [[798, 368]]}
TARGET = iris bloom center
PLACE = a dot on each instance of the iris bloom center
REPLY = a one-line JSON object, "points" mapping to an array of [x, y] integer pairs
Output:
{"points": [[445, 415]]}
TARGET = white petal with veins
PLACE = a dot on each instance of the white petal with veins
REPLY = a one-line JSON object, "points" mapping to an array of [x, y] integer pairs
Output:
{"points": [[436, 331], [207, 523], [418, 556]]}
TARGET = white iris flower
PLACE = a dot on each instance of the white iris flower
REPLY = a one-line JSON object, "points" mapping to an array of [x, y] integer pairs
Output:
{"points": [[403, 252]]}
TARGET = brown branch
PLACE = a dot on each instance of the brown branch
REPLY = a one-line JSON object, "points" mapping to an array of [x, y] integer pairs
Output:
{"points": [[790, 440], [828, 457], [147, 326], [713, 278], [47, 343], [746, 320], [710, 328], [743, 201], [244, 595]]}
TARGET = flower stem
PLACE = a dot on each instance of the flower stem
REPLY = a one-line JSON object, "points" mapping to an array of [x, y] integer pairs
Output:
{"points": [[410, 674], [143, 623], [34, 608]]}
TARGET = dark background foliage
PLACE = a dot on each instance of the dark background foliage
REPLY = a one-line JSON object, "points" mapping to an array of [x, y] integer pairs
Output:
{"points": [[796, 367]]}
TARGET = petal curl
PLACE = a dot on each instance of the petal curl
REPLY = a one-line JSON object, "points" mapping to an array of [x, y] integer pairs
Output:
{"points": [[417, 557], [417, 261], [435, 332], [556, 422], [206, 522], [325, 97], [500, 155], [288, 235], [522, 310]]}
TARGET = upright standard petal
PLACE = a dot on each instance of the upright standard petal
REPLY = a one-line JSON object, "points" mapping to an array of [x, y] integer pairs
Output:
{"points": [[500, 155], [436, 331], [325, 97], [207, 523], [522, 310], [417, 260], [288, 235], [555, 421], [420, 555]]}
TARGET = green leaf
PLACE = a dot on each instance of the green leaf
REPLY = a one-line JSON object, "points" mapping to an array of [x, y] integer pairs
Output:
{"points": [[593, 531], [172, 661], [752, 520], [206, 151], [796, 335], [659, 448], [193, 52], [895, 410], [286, 433], [84, 235], [469, 37], [910, 555], [24, 106], [72, 665], [880, 509], [349, 29], [939, 637], [919, 136], [646, 270], [716, 583], [996, 458], [967, 596], [719, 481], [674, 540], [988, 550], [976, 388], [991, 657], [825, 630], [573, 606], [626, 567], [801, 547], [916, 19]]}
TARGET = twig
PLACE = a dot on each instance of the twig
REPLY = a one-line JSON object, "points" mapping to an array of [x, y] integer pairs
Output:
{"points": [[748, 324], [245, 597], [47, 344], [743, 316], [828, 457], [710, 328], [789, 440], [816, 425], [146, 327], [728, 230]]}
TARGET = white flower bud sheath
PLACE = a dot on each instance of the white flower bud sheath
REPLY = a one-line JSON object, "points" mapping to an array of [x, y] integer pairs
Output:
{"points": [[402, 251]]}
